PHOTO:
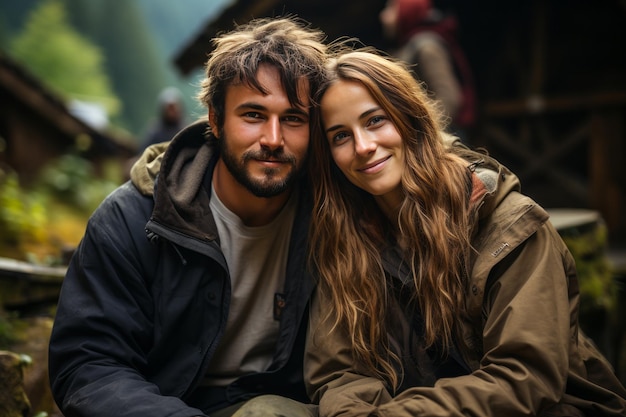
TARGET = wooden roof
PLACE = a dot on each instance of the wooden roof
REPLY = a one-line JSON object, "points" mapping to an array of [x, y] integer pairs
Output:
{"points": [[20, 89], [328, 15]]}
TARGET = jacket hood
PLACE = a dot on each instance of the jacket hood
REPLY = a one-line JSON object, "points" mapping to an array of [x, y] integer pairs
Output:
{"points": [[498, 180], [144, 171], [176, 175]]}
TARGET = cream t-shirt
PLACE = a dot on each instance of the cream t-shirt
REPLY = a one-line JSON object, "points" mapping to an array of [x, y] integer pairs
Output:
{"points": [[257, 261]]}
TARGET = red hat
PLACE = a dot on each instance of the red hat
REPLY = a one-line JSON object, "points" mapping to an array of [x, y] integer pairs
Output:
{"points": [[410, 14]]}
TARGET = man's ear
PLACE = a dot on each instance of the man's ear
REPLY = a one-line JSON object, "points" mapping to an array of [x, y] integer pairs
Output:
{"points": [[213, 123]]}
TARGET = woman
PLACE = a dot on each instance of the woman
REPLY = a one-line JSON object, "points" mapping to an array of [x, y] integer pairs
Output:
{"points": [[443, 290]]}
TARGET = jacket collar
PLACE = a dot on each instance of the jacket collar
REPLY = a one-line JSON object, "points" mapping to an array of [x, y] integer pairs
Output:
{"points": [[176, 174]]}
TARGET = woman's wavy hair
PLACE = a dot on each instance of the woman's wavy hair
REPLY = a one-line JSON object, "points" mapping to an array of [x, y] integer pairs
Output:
{"points": [[348, 230]]}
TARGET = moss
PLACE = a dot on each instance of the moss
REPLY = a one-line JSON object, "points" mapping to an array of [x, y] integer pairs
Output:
{"points": [[588, 247], [7, 331]]}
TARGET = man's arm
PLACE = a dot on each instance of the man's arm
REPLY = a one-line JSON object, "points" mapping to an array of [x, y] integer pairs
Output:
{"points": [[103, 329]]}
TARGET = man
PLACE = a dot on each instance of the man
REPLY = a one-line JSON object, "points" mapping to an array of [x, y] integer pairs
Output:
{"points": [[188, 293]]}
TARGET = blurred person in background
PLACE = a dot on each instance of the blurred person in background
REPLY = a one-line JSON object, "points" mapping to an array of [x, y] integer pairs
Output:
{"points": [[169, 121], [426, 39], [170, 118]]}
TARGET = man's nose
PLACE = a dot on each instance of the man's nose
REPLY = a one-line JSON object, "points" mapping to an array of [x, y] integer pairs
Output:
{"points": [[273, 135]]}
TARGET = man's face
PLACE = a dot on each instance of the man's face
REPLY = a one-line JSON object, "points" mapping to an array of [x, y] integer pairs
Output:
{"points": [[264, 139]]}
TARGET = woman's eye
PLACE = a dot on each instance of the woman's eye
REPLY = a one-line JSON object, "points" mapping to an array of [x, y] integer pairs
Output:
{"points": [[339, 137], [376, 120]]}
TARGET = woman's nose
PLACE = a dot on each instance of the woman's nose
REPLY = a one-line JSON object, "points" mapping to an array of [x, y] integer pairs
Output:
{"points": [[363, 144]]}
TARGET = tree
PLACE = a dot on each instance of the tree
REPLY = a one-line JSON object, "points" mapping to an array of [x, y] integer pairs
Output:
{"points": [[133, 61], [12, 17], [63, 59]]}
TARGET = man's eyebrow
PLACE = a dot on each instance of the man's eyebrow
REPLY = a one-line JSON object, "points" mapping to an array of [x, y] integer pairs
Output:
{"points": [[256, 106], [251, 105], [296, 110]]}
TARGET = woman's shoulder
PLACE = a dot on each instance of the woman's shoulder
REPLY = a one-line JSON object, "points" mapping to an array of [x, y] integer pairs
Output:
{"points": [[511, 221]]}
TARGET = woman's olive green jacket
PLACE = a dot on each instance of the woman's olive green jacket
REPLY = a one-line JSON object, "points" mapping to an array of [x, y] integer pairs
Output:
{"points": [[527, 355]]}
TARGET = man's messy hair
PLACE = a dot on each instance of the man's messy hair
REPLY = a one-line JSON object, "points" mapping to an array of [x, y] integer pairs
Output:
{"points": [[287, 43]]}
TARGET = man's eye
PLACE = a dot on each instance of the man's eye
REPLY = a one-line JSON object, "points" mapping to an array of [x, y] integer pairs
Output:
{"points": [[294, 119]]}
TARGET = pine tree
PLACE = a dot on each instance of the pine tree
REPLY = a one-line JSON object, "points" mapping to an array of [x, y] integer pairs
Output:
{"points": [[133, 62]]}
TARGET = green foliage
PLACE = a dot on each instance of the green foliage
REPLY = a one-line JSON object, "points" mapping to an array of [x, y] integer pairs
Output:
{"points": [[66, 61], [137, 72], [72, 180], [7, 332], [22, 214], [588, 247], [37, 223]]}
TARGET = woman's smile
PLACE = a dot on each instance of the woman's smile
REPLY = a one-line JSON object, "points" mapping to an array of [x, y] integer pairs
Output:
{"points": [[365, 144]]}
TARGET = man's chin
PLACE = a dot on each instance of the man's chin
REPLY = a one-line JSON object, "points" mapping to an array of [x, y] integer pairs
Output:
{"points": [[267, 189]]}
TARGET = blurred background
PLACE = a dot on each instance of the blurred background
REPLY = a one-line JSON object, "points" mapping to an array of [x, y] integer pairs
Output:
{"points": [[86, 84]]}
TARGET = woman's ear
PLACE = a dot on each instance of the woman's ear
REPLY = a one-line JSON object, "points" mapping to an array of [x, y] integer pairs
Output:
{"points": [[213, 123]]}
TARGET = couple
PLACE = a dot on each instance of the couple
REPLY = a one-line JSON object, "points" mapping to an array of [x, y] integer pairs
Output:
{"points": [[441, 290]]}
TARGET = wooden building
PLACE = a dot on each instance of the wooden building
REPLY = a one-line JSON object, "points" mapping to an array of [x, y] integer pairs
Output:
{"points": [[36, 126]]}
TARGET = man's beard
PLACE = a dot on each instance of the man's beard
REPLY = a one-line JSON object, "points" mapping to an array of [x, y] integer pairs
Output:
{"points": [[268, 186]]}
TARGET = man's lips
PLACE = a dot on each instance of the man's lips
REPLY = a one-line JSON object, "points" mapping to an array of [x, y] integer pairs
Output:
{"points": [[271, 161], [272, 158]]}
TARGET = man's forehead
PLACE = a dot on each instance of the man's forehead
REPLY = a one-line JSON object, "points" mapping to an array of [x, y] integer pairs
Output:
{"points": [[267, 80]]}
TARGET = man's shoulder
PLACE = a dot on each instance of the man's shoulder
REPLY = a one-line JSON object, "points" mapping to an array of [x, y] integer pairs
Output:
{"points": [[126, 204]]}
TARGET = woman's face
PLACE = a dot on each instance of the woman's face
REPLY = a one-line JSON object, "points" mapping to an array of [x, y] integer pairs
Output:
{"points": [[364, 143]]}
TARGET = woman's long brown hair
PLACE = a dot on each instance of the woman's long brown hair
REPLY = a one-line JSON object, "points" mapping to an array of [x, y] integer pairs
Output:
{"points": [[348, 230]]}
